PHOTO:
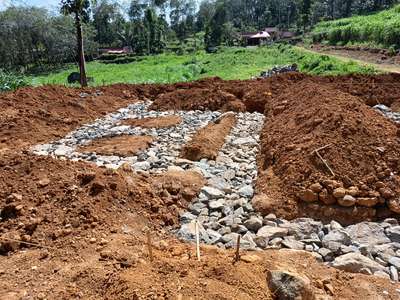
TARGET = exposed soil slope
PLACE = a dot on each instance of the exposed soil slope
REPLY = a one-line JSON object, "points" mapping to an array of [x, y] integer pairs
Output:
{"points": [[362, 151]]}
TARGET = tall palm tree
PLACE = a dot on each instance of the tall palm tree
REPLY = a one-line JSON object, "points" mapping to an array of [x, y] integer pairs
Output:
{"points": [[80, 10]]}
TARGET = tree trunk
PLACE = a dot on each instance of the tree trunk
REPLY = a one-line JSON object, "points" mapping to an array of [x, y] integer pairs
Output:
{"points": [[348, 8], [81, 53]]}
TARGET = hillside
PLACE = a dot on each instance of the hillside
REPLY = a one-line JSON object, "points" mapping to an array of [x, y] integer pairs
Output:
{"points": [[381, 29]]}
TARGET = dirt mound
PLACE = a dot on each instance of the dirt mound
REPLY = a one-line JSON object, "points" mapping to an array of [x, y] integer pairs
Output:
{"points": [[160, 122], [86, 226], [216, 94], [33, 115], [198, 99], [124, 145], [359, 152], [379, 89], [207, 141], [49, 201], [83, 228]]}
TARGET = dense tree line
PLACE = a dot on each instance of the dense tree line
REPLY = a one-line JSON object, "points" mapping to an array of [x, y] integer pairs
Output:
{"points": [[32, 38], [296, 15]]}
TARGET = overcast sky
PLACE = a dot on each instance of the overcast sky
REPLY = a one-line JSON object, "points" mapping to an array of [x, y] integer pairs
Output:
{"points": [[50, 4]]}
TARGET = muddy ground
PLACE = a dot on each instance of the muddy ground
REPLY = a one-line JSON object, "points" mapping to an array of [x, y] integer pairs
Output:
{"points": [[84, 228]]}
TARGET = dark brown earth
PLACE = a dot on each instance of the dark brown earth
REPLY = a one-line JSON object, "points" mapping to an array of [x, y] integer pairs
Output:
{"points": [[207, 141], [86, 226], [124, 145]]}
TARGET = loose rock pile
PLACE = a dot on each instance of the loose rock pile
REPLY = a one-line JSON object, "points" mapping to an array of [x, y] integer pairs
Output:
{"points": [[387, 112], [278, 70], [223, 208]]}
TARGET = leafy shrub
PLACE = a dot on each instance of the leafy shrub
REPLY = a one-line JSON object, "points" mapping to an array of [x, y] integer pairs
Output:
{"points": [[10, 82], [120, 60], [392, 51], [109, 56]]}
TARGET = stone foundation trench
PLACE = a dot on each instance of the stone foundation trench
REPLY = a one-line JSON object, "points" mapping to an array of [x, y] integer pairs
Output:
{"points": [[154, 141]]}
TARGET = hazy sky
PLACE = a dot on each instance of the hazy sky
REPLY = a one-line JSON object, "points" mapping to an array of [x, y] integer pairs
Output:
{"points": [[49, 4]]}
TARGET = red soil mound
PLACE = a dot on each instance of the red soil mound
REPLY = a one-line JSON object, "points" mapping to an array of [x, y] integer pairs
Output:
{"points": [[88, 224], [363, 152], [373, 90], [207, 141], [33, 115], [198, 99], [216, 94], [87, 232], [80, 197], [124, 145]]}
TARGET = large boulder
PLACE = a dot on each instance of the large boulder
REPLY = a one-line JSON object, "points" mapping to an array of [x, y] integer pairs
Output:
{"points": [[367, 233], [356, 263], [188, 232], [303, 228], [394, 234], [253, 224], [335, 239], [289, 286], [211, 192], [272, 232]]}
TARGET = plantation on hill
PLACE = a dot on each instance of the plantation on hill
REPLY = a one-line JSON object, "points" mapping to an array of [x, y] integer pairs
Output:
{"points": [[381, 29]]}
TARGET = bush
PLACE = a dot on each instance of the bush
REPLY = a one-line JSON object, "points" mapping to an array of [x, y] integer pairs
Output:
{"points": [[120, 60], [392, 50], [110, 56], [10, 82]]}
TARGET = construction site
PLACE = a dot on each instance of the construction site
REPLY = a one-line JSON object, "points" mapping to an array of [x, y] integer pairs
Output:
{"points": [[285, 187]]}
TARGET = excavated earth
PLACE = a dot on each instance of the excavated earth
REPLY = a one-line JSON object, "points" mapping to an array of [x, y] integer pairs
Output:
{"points": [[73, 230]]}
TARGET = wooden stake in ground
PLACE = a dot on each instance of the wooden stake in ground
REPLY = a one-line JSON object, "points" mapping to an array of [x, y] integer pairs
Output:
{"points": [[149, 246], [197, 240], [237, 254]]}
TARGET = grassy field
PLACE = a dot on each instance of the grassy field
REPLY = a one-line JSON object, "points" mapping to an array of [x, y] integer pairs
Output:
{"points": [[228, 63], [380, 29]]}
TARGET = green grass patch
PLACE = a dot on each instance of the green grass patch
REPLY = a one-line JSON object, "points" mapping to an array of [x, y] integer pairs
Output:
{"points": [[227, 63], [10, 81], [381, 29]]}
